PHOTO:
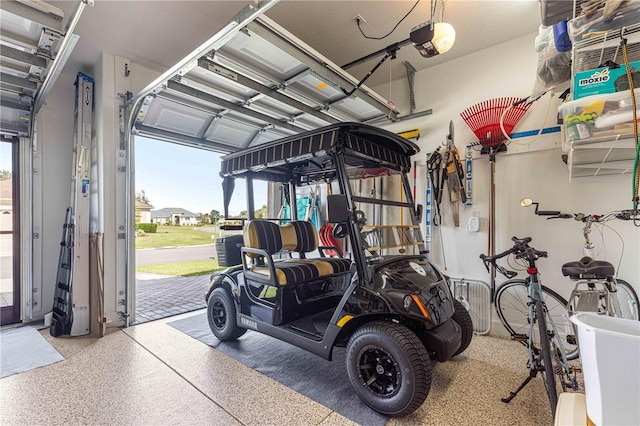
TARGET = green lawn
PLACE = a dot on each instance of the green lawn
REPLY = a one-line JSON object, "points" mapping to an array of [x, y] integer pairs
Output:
{"points": [[183, 269], [174, 236]]}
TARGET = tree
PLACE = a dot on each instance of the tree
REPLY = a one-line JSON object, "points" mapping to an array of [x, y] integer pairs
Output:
{"points": [[142, 197], [138, 217], [5, 174], [258, 214], [215, 216], [204, 217], [261, 213]]}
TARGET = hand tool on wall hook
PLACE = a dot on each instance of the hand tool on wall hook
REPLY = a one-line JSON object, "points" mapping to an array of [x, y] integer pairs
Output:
{"points": [[434, 164], [469, 169], [454, 176], [427, 202]]}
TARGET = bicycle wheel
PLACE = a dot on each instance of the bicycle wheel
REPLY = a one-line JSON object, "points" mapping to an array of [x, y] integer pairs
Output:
{"points": [[511, 305], [628, 301], [546, 367]]}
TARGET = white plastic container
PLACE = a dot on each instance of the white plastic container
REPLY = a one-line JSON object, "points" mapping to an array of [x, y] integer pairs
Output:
{"points": [[571, 410], [607, 115], [610, 355]]}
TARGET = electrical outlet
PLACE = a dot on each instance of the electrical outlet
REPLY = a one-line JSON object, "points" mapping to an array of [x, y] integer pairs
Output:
{"points": [[359, 17]]}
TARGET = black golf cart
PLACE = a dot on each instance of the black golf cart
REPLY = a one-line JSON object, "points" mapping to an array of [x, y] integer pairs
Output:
{"points": [[378, 296]]}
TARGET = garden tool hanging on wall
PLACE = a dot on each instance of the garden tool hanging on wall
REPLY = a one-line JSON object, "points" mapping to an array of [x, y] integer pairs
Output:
{"points": [[446, 167], [434, 169], [454, 176]]}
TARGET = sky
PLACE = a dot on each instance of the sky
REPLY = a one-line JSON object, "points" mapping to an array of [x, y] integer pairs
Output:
{"points": [[5, 156], [173, 175]]}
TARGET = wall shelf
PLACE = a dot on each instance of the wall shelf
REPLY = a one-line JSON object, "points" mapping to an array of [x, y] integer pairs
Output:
{"points": [[608, 155], [600, 156]]}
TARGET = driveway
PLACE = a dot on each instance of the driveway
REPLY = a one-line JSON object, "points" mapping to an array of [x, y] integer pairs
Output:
{"points": [[160, 296], [168, 296]]}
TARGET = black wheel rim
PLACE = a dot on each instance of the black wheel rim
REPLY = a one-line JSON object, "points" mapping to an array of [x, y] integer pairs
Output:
{"points": [[379, 371], [219, 316]]}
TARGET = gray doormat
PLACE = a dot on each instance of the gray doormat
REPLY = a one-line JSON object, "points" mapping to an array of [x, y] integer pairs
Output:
{"points": [[22, 349], [326, 382]]}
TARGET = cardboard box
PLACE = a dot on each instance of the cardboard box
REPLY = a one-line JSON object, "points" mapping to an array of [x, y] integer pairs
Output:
{"points": [[605, 80]]}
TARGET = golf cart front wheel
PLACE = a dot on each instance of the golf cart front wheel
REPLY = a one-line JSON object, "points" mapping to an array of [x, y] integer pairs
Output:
{"points": [[389, 368], [221, 314], [463, 319]]}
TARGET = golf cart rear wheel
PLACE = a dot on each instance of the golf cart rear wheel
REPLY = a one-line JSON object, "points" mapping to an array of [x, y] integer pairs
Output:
{"points": [[463, 319], [389, 368], [221, 314]]}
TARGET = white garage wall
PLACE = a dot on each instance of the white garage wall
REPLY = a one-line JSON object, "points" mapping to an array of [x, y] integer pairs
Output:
{"points": [[114, 165], [52, 183], [52, 189], [503, 71]]}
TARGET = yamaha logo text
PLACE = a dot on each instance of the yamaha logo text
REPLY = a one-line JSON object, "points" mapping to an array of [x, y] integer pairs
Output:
{"points": [[249, 323]]}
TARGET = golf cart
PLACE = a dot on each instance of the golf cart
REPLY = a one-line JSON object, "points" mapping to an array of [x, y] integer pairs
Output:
{"points": [[380, 297]]}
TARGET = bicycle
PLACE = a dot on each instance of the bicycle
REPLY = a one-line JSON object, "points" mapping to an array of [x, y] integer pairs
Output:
{"points": [[597, 288], [545, 344]]}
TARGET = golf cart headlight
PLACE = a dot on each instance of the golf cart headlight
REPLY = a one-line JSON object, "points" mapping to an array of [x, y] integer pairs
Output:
{"points": [[407, 302]]}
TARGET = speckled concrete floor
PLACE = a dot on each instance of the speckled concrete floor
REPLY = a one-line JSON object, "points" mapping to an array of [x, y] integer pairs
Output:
{"points": [[152, 374]]}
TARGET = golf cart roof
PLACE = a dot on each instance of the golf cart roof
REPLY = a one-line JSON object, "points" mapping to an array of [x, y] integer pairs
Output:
{"points": [[365, 145]]}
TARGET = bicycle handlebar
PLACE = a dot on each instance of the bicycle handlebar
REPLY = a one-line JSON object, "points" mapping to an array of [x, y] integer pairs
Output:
{"points": [[548, 213], [520, 248], [629, 214], [520, 245]]}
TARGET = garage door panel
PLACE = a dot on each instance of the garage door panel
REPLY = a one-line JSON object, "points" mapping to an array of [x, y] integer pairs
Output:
{"points": [[207, 80], [310, 121], [219, 92], [31, 38], [14, 115], [250, 99], [266, 136], [232, 132], [269, 103], [315, 87], [273, 111], [261, 83], [359, 109], [262, 56], [15, 100], [166, 115], [227, 89]]}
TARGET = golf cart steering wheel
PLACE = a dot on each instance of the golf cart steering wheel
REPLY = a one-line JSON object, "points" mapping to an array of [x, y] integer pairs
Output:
{"points": [[361, 220], [340, 230]]}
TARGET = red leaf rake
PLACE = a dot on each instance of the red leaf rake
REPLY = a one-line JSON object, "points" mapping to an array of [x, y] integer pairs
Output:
{"points": [[484, 120]]}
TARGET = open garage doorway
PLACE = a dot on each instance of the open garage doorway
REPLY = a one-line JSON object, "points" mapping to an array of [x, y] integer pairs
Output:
{"points": [[178, 217]]}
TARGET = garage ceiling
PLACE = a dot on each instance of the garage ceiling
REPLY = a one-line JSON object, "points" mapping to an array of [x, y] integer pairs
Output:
{"points": [[255, 88]]}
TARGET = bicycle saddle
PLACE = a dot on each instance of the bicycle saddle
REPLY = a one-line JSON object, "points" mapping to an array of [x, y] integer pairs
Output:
{"points": [[588, 268]]}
